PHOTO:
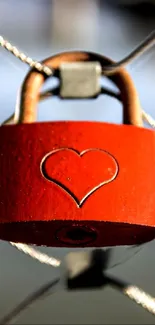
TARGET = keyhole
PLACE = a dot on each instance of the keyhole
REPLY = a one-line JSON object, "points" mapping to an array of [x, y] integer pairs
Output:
{"points": [[76, 235]]}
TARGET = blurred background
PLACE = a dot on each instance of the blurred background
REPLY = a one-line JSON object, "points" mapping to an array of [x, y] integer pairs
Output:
{"points": [[41, 28]]}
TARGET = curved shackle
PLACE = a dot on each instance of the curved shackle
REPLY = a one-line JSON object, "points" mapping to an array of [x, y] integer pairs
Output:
{"points": [[30, 91]]}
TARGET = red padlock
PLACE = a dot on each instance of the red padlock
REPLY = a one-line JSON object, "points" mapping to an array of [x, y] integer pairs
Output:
{"points": [[75, 184]]}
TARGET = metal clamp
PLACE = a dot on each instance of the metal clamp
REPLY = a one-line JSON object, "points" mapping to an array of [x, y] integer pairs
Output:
{"points": [[80, 79]]}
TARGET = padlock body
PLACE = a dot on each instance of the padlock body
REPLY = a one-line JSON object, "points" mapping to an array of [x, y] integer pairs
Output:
{"points": [[75, 184]]}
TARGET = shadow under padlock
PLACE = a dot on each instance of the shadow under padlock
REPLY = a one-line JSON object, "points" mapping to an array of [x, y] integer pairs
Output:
{"points": [[77, 184]]}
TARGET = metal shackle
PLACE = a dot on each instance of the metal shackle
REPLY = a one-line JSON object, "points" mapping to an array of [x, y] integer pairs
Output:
{"points": [[34, 80]]}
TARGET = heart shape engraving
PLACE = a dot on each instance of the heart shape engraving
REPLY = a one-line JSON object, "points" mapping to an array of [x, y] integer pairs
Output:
{"points": [[80, 174]]}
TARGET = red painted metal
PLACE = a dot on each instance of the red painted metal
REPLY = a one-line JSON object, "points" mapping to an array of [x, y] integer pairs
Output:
{"points": [[49, 168]]}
